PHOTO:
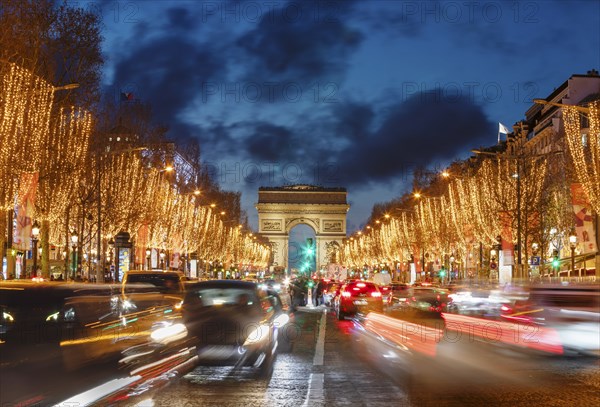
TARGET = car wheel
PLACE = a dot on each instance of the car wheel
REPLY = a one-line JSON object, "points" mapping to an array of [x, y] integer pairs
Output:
{"points": [[265, 370], [284, 344]]}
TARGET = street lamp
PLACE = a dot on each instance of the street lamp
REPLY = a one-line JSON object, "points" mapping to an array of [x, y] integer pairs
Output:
{"points": [[451, 267], [35, 233], [148, 253], [74, 240], [162, 259], [573, 243]]}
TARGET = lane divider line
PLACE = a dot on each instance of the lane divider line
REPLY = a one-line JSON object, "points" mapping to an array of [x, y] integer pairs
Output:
{"points": [[316, 381], [320, 348]]}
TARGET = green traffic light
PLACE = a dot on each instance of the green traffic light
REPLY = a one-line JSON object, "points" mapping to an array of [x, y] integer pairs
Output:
{"points": [[555, 263], [442, 273]]}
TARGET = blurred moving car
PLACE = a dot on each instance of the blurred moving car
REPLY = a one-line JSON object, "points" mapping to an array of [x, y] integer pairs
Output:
{"points": [[139, 288], [429, 300], [398, 295], [386, 291], [419, 302], [358, 297], [331, 290], [572, 310], [75, 324], [271, 284], [235, 323]]}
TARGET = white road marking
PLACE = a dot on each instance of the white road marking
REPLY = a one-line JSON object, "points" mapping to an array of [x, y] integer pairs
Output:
{"points": [[320, 349], [316, 391]]}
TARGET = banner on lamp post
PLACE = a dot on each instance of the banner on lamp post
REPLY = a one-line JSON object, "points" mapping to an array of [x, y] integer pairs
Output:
{"points": [[584, 221], [25, 210]]}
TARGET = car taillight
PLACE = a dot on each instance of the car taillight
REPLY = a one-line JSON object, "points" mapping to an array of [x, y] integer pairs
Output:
{"points": [[505, 308], [361, 285], [375, 294], [346, 294]]}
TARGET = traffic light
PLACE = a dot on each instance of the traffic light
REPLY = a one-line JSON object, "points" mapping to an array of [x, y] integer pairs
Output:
{"points": [[555, 260], [442, 273], [310, 283], [309, 247]]}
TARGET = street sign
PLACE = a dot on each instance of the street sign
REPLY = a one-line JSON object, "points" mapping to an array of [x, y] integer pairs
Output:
{"points": [[493, 266], [535, 260]]}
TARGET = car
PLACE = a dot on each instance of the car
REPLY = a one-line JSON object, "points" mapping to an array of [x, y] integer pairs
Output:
{"points": [[429, 301], [358, 297], [139, 288], [271, 284], [570, 310], [330, 291], [386, 291], [75, 324], [399, 294], [234, 323]]}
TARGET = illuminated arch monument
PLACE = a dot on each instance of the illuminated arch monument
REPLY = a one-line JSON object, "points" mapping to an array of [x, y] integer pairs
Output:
{"points": [[323, 209]]}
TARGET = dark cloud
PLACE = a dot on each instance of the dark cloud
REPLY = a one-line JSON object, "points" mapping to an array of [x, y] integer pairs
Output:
{"points": [[347, 149], [169, 72], [268, 142], [310, 44], [353, 120], [418, 131], [181, 18]]}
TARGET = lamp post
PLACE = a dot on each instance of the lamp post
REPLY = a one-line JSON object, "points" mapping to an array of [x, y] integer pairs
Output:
{"points": [[111, 257], [35, 233], [148, 253], [162, 260], [451, 268], [535, 264], [573, 244], [74, 240]]}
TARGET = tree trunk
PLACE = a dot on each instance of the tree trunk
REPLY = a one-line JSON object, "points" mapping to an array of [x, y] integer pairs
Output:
{"points": [[3, 230], [10, 257], [45, 243]]}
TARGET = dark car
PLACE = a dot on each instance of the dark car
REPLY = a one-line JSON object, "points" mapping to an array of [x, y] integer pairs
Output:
{"points": [[78, 324], [235, 323], [358, 297], [330, 292], [429, 301], [399, 295]]}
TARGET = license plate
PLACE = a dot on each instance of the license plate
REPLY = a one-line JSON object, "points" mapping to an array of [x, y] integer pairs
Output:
{"points": [[360, 302], [217, 352]]}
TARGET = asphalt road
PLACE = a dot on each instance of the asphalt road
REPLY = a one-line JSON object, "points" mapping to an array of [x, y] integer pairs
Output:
{"points": [[333, 363], [344, 367]]}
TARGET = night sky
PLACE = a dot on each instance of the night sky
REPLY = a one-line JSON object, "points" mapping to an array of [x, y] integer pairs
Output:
{"points": [[351, 94]]}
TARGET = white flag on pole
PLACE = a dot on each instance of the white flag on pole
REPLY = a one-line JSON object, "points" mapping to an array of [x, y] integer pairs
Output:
{"points": [[502, 129]]}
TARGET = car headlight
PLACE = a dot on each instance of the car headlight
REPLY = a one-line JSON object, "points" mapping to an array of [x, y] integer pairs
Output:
{"points": [[128, 305], [169, 333], [52, 317], [281, 320], [258, 334]]}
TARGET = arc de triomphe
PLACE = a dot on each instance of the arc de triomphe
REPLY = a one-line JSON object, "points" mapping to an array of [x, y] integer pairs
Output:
{"points": [[282, 208]]}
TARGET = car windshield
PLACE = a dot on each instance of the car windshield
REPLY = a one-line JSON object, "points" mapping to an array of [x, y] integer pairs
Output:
{"points": [[168, 283], [209, 297], [361, 288]]}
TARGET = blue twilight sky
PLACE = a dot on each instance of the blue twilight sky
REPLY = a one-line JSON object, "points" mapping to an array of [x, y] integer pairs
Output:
{"points": [[348, 93]]}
